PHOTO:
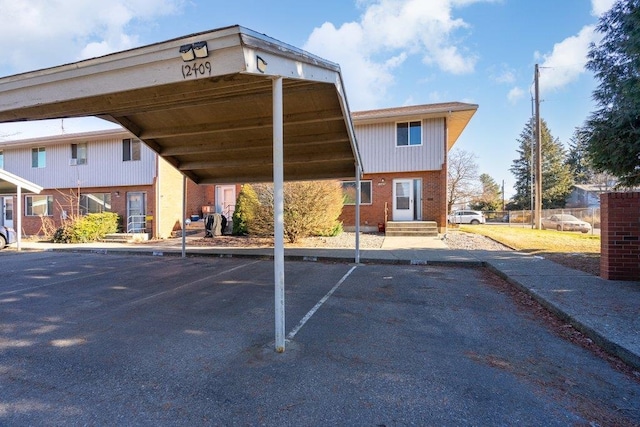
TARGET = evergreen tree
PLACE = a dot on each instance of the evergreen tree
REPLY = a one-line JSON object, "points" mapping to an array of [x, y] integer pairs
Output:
{"points": [[614, 129], [578, 159], [556, 177], [491, 197]]}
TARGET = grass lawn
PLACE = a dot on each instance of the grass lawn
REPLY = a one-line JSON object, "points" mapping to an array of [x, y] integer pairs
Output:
{"points": [[538, 241]]}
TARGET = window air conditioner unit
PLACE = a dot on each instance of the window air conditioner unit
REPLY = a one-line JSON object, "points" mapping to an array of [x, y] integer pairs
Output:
{"points": [[73, 162]]}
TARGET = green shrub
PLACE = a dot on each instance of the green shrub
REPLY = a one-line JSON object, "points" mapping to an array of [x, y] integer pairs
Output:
{"points": [[245, 211], [88, 228]]}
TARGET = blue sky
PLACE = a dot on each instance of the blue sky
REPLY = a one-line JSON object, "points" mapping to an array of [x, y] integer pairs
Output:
{"points": [[391, 52]]}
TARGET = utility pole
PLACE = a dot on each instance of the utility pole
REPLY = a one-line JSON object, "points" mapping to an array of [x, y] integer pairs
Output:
{"points": [[538, 163]]}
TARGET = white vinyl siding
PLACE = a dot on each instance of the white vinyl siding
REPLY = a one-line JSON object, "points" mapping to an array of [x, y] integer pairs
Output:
{"points": [[377, 143], [107, 168]]}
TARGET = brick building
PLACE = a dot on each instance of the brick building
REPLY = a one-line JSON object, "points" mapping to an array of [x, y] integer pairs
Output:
{"points": [[104, 171], [404, 157]]}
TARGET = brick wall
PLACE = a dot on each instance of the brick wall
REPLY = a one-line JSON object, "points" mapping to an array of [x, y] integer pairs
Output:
{"points": [[620, 236], [433, 199]]}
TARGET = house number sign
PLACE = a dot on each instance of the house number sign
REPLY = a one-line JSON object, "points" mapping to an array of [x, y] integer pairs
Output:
{"points": [[196, 69]]}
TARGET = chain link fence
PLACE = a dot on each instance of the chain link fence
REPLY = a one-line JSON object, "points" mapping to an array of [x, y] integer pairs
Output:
{"points": [[524, 218]]}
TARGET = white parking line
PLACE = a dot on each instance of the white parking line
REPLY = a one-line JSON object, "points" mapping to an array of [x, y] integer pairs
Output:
{"points": [[319, 304]]}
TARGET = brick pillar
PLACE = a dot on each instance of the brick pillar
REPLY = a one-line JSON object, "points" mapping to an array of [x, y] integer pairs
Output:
{"points": [[620, 236]]}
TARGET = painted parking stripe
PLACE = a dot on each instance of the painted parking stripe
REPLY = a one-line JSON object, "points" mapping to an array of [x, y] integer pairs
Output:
{"points": [[319, 304]]}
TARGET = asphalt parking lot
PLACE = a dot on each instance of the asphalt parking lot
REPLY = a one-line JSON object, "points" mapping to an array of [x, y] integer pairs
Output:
{"points": [[91, 339]]}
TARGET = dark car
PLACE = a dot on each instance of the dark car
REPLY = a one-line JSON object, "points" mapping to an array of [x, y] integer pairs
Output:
{"points": [[7, 236]]}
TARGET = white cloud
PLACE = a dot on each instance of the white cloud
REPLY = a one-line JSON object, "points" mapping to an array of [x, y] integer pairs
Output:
{"points": [[515, 95], [502, 74], [567, 60], [388, 33], [41, 33], [598, 7]]}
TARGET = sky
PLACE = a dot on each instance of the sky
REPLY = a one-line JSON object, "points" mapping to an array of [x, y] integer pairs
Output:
{"points": [[391, 53]]}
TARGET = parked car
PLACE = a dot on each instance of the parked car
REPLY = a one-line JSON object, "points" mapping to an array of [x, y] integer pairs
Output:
{"points": [[7, 236], [467, 217], [565, 222]]}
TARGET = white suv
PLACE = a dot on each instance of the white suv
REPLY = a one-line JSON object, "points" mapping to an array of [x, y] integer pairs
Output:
{"points": [[467, 217]]}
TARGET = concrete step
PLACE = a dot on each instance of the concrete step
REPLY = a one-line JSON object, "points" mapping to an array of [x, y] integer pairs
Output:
{"points": [[126, 237], [412, 228]]}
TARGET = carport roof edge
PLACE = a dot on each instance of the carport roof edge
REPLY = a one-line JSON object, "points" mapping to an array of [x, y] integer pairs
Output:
{"points": [[210, 117], [9, 183]]}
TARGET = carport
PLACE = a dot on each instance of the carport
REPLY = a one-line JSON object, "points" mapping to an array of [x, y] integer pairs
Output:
{"points": [[13, 184], [224, 106]]}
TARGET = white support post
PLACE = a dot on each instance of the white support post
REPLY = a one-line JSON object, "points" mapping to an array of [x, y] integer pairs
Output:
{"points": [[278, 213], [184, 216], [18, 215], [358, 195]]}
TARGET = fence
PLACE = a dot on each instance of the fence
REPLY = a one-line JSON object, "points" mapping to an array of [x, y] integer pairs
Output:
{"points": [[525, 218]]}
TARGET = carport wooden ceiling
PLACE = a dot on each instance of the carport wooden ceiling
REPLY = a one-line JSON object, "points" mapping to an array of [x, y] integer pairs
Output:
{"points": [[211, 117]]}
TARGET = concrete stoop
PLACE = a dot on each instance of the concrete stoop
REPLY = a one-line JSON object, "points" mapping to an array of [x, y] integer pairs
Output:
{"points": [[126, 237], [411, 228]]}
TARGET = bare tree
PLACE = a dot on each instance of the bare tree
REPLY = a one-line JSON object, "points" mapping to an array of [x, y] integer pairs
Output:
{"points": [[462, 177]]}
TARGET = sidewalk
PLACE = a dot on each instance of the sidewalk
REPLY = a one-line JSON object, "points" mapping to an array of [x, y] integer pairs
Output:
{"points": [[606, 311]]}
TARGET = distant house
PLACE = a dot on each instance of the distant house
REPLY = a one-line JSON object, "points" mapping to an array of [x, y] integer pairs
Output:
{"points": [[404, 156], [587, 195], [105, 171]]}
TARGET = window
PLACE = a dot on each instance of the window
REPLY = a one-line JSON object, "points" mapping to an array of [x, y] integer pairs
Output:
{"points": [[349, 191], [130, 149], [408, 133], [38, 157], [78, 154], [95, 203], [39, 205], [1, 159]]}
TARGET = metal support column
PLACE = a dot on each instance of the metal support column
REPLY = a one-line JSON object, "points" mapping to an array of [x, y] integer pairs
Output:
{"points": [[18, 215], [358, 199], [278, 213], [184, 216]]}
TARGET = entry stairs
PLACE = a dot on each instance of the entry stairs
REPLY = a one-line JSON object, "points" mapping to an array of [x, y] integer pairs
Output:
{"points": [[412, 228], [126, 237]]}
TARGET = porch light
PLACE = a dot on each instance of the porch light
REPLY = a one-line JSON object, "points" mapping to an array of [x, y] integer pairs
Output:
{"points": [[189, 52], [262, 64], [200, 49], [186, 52]]}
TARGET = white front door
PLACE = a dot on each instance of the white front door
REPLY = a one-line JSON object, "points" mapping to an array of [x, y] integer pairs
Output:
{"points": [[403, 200], [136, 213], [7, 211], [226, 200]]}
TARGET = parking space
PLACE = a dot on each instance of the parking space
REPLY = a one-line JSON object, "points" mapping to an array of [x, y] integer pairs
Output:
{"points": [[90, 339]]}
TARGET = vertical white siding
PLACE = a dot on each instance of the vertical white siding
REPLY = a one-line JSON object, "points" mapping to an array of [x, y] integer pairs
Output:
{"points": [[104, 167], [379, 153]]}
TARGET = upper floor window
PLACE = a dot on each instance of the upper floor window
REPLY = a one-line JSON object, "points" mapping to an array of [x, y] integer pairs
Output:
{"points": [[130, 149], [39, 205], [78, 154], [38, 157], [408, 133], [1, 159], [95, 203], [349, 191]]}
